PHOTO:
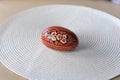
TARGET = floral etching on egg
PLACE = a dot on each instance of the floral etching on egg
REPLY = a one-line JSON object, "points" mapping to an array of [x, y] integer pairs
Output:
{"points": [[58, 37]]}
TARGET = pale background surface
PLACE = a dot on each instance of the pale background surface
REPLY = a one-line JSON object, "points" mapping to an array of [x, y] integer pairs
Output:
{"points": [[11, 7]]}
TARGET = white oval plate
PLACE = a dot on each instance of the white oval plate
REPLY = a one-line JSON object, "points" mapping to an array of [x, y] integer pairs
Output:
{"points": [[96, 58]]}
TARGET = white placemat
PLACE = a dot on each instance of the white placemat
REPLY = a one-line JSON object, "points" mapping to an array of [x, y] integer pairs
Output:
{"points": [[96, 58]]}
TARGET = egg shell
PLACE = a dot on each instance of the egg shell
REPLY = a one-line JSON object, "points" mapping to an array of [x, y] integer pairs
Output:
{"points": [[59, 38]]}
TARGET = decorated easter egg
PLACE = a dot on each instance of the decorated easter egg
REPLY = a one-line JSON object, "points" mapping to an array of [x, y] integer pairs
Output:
{"points": [[59, 38]]}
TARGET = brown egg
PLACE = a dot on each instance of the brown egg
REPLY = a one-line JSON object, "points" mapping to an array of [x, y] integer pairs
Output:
{"points": [[59, 38]]}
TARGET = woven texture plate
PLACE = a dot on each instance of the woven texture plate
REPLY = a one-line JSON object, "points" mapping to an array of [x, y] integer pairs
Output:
{"points": [[96, 58]]}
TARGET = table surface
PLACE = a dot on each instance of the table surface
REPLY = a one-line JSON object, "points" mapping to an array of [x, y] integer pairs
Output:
{"points": [[11, 7]]}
